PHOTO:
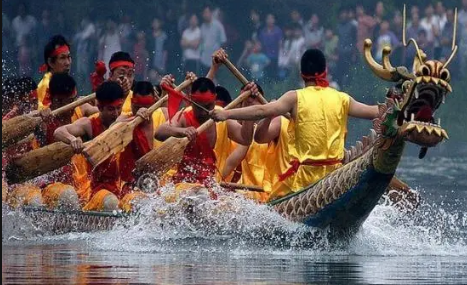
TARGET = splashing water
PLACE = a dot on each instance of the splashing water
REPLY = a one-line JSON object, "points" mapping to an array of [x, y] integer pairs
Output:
{"points": [[194, 222]]}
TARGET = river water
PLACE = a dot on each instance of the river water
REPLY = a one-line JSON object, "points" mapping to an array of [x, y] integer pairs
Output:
{"points": [[252, 245]]}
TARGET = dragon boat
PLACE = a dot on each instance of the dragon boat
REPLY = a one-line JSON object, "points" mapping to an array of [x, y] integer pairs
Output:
{"points": [[343, 199]]}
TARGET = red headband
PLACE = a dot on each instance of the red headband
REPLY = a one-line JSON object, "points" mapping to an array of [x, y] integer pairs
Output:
{"points": [[114, 103], [319, 78], [220, 103], [119, 63], [203, 97], [56, 52], [143, 100]]}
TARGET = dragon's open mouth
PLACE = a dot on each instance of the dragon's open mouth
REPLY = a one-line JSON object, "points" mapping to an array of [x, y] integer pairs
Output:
{"points": [[417, 119]]}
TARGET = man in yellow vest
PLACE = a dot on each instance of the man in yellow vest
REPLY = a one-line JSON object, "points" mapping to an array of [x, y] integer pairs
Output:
{"points": [[122, 71], [317, 127], [57, 59]]}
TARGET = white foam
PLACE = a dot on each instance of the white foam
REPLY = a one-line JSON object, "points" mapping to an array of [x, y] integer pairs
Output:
{"points": [[242, 227]]}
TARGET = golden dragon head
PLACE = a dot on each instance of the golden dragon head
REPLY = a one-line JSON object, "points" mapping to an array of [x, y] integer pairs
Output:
{"points": [[417, 95]]}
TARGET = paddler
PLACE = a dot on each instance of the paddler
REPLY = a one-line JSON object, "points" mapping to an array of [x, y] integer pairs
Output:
{"points": [[144, 96], [199, 161], [106, 183], [247, 164], [57, 59], [59, 192], [19, 98], [122, 70], [160, 116], [317, 128], [273, 132]]}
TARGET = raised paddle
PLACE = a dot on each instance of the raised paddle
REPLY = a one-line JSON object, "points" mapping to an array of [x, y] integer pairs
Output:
{"points": [[242, 78], [244, 81], [19, 127], [118, 136], [170, 153]]}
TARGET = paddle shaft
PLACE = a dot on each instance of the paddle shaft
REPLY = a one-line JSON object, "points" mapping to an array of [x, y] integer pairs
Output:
{"points": [[236, 186], [244, 81], [242, 78], [19, 127], [74, 104]]}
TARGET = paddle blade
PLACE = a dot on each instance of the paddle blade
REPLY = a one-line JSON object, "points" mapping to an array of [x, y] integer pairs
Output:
{"points": [[110, 142], [17, 128], [163, 158], [38, 162]]}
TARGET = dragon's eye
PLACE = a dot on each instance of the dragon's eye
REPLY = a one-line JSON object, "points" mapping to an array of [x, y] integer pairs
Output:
{"points": [[425, 71], [445, 75]]}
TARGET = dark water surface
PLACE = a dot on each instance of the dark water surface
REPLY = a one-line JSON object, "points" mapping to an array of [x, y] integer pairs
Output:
{"points": [[255, 246], [79, 264]]}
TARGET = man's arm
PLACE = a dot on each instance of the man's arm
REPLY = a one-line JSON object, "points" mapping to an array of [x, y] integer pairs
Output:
{"points": [[268, 130], [362, 111], [71, 134], [218, 57], [234, 159], [241, 133], [280, 107], [89, 110], [175, 129]]}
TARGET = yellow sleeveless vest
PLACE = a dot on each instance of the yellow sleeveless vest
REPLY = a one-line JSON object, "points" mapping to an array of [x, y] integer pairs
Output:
{"points": [[223, 148], [79, 163], [277, 160], [317, 134], [126, 108], [42, 89], [255, 173], [77, 114], [158, 118]]}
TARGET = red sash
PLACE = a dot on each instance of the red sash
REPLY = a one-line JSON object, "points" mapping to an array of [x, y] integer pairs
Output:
{"points": [[106, 175], [134, 151], [199, 160], [295, 164]]}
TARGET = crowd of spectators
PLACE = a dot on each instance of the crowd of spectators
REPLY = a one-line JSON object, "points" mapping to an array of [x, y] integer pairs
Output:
{"points": [[268, 51]]}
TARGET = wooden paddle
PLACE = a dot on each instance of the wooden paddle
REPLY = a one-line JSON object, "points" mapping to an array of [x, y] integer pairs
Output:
{"points": [[19, 127], [38, 162], [117, 137], [236, 186], [244, 81], [242, 78], [170, 153]]}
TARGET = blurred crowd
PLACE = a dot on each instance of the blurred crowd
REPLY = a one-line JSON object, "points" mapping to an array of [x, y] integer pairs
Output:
{"points": [[174, 43]]}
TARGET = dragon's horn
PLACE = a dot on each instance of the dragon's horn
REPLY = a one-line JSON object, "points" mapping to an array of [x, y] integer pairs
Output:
{"points": [[454, 46], [420, 53], [379, 70]]}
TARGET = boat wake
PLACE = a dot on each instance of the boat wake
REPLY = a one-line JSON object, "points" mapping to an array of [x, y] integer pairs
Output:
{"points": [[194, 222]]}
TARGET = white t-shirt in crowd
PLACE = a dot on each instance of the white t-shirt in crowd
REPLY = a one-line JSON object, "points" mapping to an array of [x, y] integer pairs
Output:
{"points": [[23, 27], [191, 35], [428, 26], [212, 38]]}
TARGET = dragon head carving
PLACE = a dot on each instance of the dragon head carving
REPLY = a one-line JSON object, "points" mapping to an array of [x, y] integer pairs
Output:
{"points": [[417, 95]]}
